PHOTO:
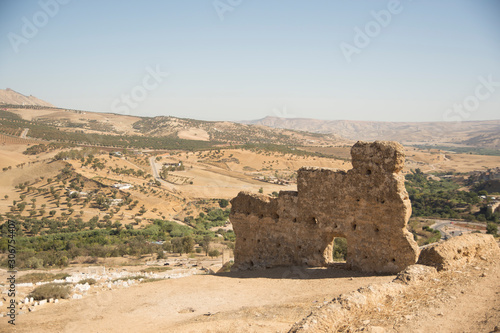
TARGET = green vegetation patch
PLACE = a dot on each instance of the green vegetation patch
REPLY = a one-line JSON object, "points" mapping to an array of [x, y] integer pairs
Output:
{"points": [[433, 198], [282, 149], [151, 280], [90, 281], [41, 277], [463, 150], [155, 269], [133, 277], [339, 249], [9, 115], [51, 290], [43, 148]]}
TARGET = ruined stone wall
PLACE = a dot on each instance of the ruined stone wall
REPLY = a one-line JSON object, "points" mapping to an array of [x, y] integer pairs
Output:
{"points": [[368, 205]]}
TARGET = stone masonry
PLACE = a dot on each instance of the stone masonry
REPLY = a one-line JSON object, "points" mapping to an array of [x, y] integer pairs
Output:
{"points": [[368, 205]]}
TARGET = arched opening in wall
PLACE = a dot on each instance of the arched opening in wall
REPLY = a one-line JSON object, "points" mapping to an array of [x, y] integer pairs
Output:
{"points": [[339, 252], [335, 253]]}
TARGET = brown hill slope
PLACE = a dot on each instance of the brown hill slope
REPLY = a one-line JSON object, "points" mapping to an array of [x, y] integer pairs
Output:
{"points": [[9, 96], [222, 132], [225, 131]]}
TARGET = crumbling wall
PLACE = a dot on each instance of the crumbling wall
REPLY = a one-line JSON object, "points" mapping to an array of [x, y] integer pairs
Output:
{"points": [[368, 205]]}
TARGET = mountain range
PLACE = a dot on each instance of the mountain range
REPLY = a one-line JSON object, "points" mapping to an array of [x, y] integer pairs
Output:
{"points": [[483, 134], [474, 133]]}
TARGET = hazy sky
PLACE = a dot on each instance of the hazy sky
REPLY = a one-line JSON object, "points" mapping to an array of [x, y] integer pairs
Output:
{"points": [[420, 60]]}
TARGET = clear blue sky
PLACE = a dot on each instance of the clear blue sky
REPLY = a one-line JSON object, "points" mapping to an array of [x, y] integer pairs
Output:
{"points": [[263, 58]]}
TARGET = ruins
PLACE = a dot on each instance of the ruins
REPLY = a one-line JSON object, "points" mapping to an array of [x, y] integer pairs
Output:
{"points": [[368, 205]]}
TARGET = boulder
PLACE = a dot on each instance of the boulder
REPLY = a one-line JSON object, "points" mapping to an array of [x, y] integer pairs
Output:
{"points": [[459, 251]]}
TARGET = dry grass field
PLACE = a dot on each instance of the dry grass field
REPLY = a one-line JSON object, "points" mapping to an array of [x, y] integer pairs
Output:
{"points": [[211, 174]]}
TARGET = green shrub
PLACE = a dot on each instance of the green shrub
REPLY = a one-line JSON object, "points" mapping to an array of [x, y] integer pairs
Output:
{"points": [[89, 281], [135, 277], [214, 253], [41, 277], [34, 263], [339, 249], [151, 280], [35, 277], [155, 269], [51, 290], [61, 276], [492, 229]]}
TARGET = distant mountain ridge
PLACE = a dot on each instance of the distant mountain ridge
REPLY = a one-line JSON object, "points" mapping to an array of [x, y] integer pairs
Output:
{"points": [[275, 130], [476, 133], [9, 96]]}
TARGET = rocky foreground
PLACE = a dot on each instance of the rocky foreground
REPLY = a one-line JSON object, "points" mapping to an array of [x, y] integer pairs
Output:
{"points": [[460, 269]]}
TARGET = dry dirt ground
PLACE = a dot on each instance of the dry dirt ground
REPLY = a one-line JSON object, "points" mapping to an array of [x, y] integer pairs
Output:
{"points": [[266, 301], [470, 303], [272, 301], [194, 134]]}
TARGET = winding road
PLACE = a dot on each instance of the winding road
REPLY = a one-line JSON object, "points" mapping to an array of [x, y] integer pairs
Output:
{"points": [[24, 133], [157, 177], [440, 225]]}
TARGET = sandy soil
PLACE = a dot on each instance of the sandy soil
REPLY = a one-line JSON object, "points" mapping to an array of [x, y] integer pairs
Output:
{"points": [[271, 301], [469, 303], [266, 301]]}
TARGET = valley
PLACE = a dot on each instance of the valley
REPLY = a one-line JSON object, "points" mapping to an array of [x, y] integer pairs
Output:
{"points": [[136, 195]]}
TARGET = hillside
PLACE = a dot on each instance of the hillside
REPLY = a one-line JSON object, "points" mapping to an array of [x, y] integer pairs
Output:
{"points": [[228, 132], [157, 132], [485, 134], [9, 96]]}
